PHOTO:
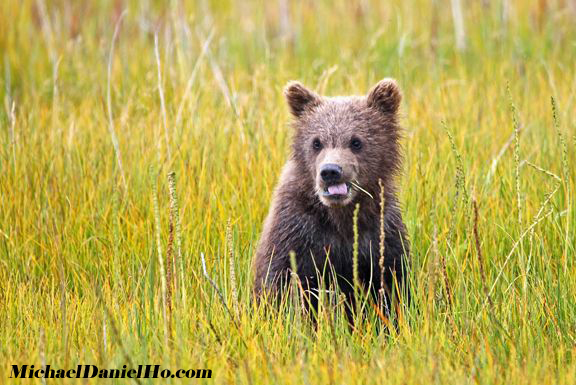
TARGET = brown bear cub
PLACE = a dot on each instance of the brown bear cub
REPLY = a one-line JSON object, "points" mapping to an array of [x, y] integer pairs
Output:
{"points": [[342, 147]]}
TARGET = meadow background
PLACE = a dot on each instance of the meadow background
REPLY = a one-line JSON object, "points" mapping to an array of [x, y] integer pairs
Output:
{"points": [[100, 260]]}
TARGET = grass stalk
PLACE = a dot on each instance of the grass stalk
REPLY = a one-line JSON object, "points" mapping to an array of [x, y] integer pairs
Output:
{"points": [[516, 123], [479, 253], [42, 351], [170, 273], [433, 269], [111, 128], [161, 95], [230, 246], [447, 289], [460, 186], [63, 308], [12, 132], [355, 262], [192, 78], [160, 254], [459, 31], [115, 332], [175, 215], [511, 252], [218, 292], [355, 248], [565, 176], [296, 285], [501, 153], [382, 241]]}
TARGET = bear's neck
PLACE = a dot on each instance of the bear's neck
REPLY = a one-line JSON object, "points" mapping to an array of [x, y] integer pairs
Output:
{"points": [[339, 219]]}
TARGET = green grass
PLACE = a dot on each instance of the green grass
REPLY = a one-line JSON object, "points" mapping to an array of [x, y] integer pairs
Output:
{"points": [[80, 279]]}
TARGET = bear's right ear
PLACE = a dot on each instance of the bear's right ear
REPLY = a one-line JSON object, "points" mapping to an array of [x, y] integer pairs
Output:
{"points": [[385, 96], [300, 98]]}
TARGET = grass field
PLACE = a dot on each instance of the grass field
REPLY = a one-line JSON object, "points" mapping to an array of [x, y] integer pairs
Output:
{"points": [[97, 268]]}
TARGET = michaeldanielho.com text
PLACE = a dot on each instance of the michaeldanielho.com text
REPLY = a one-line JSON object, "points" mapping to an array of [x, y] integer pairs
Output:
{"points": [[92, 371]]}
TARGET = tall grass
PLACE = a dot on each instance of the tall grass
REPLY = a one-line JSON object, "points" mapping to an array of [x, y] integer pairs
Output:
{"points": [[86, 90]]}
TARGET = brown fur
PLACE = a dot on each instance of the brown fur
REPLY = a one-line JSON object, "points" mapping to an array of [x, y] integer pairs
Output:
{"points": [[318, 231]]}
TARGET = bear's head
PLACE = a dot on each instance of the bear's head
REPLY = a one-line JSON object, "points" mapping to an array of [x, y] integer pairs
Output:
{"points": [[346, 144]]}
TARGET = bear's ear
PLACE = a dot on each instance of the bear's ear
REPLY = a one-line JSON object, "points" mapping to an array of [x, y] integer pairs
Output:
{"points": [[300, 98], [385, 96]]}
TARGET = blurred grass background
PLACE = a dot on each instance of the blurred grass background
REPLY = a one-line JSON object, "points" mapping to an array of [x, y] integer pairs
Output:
{"points": [[80, 279]]}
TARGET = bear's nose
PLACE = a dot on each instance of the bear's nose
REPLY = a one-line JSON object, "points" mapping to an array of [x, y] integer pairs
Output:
{"points": [[331, 172]]}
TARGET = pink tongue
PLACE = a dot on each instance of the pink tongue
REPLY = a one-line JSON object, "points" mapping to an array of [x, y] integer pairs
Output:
{"points": [[339, 189]]}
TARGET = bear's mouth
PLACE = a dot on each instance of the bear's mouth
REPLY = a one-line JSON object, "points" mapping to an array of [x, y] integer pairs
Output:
{"points": [[337, 191]]}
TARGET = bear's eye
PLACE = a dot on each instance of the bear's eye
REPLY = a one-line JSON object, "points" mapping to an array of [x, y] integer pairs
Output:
{"points": [[316, 144], [356, 144]]}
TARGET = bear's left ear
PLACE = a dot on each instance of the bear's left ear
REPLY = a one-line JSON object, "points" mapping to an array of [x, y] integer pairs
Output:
{"points": [[385, 96], [300, 98]]}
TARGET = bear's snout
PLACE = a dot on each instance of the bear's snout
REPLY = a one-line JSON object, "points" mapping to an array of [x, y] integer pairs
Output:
{"points": [[331, 173], [335, 170]]}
